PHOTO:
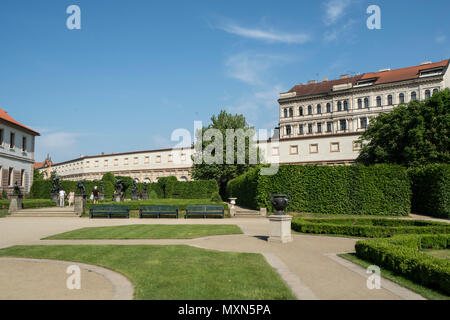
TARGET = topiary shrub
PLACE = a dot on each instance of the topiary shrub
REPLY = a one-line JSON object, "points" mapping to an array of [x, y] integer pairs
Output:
{"points": [[215, 196], [153, 195]]}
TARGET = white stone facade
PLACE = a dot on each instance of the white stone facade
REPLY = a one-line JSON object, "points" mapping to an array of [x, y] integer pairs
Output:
{"points": [[16, 156]]}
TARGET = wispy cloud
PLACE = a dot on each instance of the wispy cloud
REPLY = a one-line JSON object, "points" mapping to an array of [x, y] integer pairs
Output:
{"points": [[334, 10], [252, 68], [440, 38], [264, 35], [59, 144], [337, 31]]}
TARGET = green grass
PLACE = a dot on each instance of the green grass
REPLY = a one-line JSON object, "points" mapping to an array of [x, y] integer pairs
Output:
{"points": [[175, 272], [439, 253], [147, 231], [385, 273]]}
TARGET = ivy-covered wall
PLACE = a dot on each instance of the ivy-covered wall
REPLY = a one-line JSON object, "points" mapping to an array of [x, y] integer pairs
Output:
{"points": [[373, 190]]}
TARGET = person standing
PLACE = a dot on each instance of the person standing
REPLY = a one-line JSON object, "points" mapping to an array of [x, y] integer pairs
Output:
{"points": [[95, 192], [71, 197], [62, 197]]}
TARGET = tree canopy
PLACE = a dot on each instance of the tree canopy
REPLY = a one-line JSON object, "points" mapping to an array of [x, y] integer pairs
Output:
{"points": [[223, 172], [411, 134]]}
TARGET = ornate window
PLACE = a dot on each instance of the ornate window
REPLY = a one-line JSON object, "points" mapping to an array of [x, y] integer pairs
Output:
{"points": [[329, 126], [288, 130], [300, 129], [319, 109], [379, 101], [309, 109], [435, 90], [401, 98], [345, 105], [343, 125], [319, 128], [427, 94], [390, 100], [310, 129], [363, 123], [300, 111], [360, 103], [366, 102], [291, 112], [285, 112], [328, 107], [413, 96], [339, 106]]}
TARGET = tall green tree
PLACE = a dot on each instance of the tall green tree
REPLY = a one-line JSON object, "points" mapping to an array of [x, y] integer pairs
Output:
{"points": [[412, 134], [223, 172]]}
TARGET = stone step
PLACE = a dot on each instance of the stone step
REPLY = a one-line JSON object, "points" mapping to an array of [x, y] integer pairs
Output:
{"points": [[248, 214], [44, 215]]}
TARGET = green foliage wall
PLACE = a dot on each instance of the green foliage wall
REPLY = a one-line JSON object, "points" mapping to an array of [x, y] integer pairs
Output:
{"points": [[166, 187], [374, 190], [431, 190]]}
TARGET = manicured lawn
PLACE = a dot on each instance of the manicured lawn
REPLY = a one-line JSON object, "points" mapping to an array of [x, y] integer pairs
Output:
{"points": [[443, 253], [3, 213], [175, 272], [146, 231], [385, 273]]}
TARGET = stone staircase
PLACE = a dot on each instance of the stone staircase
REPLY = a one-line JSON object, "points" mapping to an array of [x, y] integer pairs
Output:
{"points": [[247, 213], [46, 212]]}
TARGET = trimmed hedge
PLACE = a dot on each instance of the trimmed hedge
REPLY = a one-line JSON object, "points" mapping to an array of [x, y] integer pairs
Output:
{"points": [[368, 227], [431, 190], [401, 255], [166, 187], [357, 189], [30, 203]]}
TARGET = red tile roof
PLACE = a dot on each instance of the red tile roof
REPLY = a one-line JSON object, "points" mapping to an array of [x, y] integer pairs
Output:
{"points": [[382, 77], [5, 116]]}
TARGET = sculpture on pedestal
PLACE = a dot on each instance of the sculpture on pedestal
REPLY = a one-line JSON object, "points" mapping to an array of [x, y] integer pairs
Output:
{"points": [[81, 188], [102, 191], [134, 191], [145, 192], [56, 186], [17, 191], [118, 195]]}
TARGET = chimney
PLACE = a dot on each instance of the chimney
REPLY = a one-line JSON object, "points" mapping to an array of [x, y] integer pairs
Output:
{"points": [[312, 81], [325, 79], [425, 62], [103, 153], [344, 76]]}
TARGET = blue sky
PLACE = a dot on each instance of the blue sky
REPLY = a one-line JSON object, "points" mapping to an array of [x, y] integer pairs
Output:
{"points": [[137, 70]]}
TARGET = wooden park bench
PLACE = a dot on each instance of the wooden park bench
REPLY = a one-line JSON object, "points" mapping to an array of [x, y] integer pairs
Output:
{"points": [[109, 211], [158, 211], [204, 210]]}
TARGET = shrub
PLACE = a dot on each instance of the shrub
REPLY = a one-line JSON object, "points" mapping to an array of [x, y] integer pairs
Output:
{"points": [[357, 189], [180, 203], [30, 203], [368, 227], [431, 190], [152, 195], [401, 255], [215, 196]]}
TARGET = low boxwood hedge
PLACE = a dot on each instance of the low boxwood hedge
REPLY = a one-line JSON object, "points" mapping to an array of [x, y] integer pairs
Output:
{"points": [[368, 227], [401, 254], [30, 203]]}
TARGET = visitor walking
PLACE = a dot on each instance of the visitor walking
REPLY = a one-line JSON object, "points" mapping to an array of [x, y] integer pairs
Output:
{"points": [[71, 197], [62, 197], [95, 195]]}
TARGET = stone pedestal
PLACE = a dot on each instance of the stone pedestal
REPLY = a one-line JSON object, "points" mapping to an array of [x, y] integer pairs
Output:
{"points": [[145, 196], [79, 204], [280, 228], [54, 197], [15, 203], [263, 212], [134, 197], [101, 197], [232, 202], [117, 197]]}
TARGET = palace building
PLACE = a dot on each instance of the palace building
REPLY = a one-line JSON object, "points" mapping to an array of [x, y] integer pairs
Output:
{"points": [[16, 154], [320, 123]]}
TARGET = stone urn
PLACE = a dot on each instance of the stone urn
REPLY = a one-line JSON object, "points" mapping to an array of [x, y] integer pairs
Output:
{"points": [[232, 202], [279, 202]]}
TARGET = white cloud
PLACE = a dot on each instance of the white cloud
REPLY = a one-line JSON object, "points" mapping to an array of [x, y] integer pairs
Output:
{"points": [[334, 10], [59, 144], [265, 35], [440, 38], [252, 68], [337, 31], [260, 107]]}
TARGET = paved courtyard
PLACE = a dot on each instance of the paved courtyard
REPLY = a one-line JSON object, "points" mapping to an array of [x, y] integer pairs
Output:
{"points": [[309, 264]]}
